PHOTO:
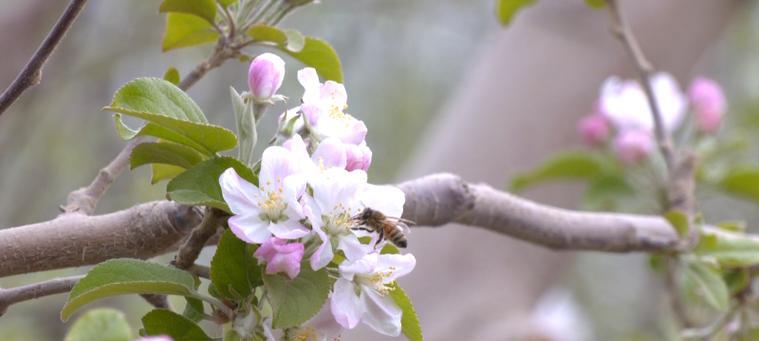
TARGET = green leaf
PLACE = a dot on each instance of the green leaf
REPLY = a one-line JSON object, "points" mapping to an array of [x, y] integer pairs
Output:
{"points": [[710, 284], [127, 276], [234, 270], [172, 76], [164, 153], [679, 221], [227, 3], [294, 301], [205, 9], [164, 172], [737, 280], [573, 165], [596, 3], [315, 52], [193, 309], [184, 30], [172, 116], [605, 190], [507, 9], [103, 324], [409, 321], [199, 185], [179, 328], [742, 182], [732, 225], [728, 248]]}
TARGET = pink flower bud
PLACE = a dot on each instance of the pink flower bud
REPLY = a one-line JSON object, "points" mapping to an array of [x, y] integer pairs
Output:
{"points": [[265, 76], [708, 102], [593, 129], [632, 146], [281, 256], [358, 156]]}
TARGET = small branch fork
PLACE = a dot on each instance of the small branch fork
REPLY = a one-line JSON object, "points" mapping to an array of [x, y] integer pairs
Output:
{"points": [[31, 74]]}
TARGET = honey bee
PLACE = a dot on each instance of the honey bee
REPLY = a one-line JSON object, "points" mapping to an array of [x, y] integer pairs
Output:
{"points": [[389, 228]]}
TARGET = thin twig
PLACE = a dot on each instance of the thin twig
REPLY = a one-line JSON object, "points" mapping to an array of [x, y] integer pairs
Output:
{"points": [[624, 33], [11, 296], [31, 74]]}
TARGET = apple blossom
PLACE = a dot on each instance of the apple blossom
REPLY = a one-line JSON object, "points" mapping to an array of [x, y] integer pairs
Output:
{"points": [[358, 156], [281, 256], [633, 145], [270, 208], [361, 294], [708, 102], [323, 107], [265, 76], [594, 129], [626, 106]]}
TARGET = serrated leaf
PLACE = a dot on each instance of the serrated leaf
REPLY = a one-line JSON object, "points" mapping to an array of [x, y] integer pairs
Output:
{"points": [[742, 182], [103, 324], [205, 9], [679, 221], [234, 270], [172, 76], [199, 185], [728, 248], [185, 30], [596, 3], [315, 52], [171, 114], [410, 326], [507, 9], [193, 309], [127, 276], [294, 301], [572, 166], [164, 153], [179, 328], [710, 284]]}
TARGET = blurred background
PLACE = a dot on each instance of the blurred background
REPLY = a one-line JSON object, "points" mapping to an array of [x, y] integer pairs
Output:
{"points": [[442, 87]]}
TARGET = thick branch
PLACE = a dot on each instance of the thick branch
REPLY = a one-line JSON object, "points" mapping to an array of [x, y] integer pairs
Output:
{"points": [[155, 228], [143, 231], [32, 72]]}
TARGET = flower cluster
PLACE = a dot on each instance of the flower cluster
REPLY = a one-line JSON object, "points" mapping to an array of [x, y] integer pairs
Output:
{"points": [[623, 107], [302, 212]]}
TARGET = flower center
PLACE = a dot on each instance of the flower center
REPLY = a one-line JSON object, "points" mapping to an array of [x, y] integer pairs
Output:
{"points": [[377, 281], [307, 333], [273, 206], [338, 224]]}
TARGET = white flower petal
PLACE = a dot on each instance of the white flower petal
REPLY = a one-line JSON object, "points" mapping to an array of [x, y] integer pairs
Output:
{"points": [[396, 265], [323, 254], [290, 229], [387, 199], [382, 314], [276, 164], [352, 247], [239, 194], [330, 153], [347, 307], [324, 322], [250, 228]]}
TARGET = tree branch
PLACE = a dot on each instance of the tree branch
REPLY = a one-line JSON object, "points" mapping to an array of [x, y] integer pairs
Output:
{"points": [[198, 238], [31, 74], [151, 229], [32, 291]]}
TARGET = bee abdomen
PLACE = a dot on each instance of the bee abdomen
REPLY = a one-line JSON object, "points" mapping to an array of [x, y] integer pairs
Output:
{"points": [[397, 237]]}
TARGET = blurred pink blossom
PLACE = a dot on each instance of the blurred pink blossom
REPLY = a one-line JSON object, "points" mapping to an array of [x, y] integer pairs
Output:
{"points": [[594, 129], [626, 106], [633, 145], [281, 256], [708, 102], [265, 76]]}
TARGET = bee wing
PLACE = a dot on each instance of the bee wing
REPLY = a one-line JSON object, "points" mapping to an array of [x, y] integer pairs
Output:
{"points": [[403, 226], [402, 221]]}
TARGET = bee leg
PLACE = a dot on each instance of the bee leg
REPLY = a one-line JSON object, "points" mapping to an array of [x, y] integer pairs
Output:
{"points": [[361, 228], [381, 237]]}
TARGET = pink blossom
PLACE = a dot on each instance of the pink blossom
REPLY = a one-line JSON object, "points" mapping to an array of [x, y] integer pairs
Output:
{"points": [[358, 156], [281, 256], [708, 102], [265, 76], [632, 146], [593, 129]]}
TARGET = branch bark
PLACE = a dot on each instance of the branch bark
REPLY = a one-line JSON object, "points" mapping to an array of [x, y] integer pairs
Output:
{"points": [[31, 74], [151, 229], [11, 296]]}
